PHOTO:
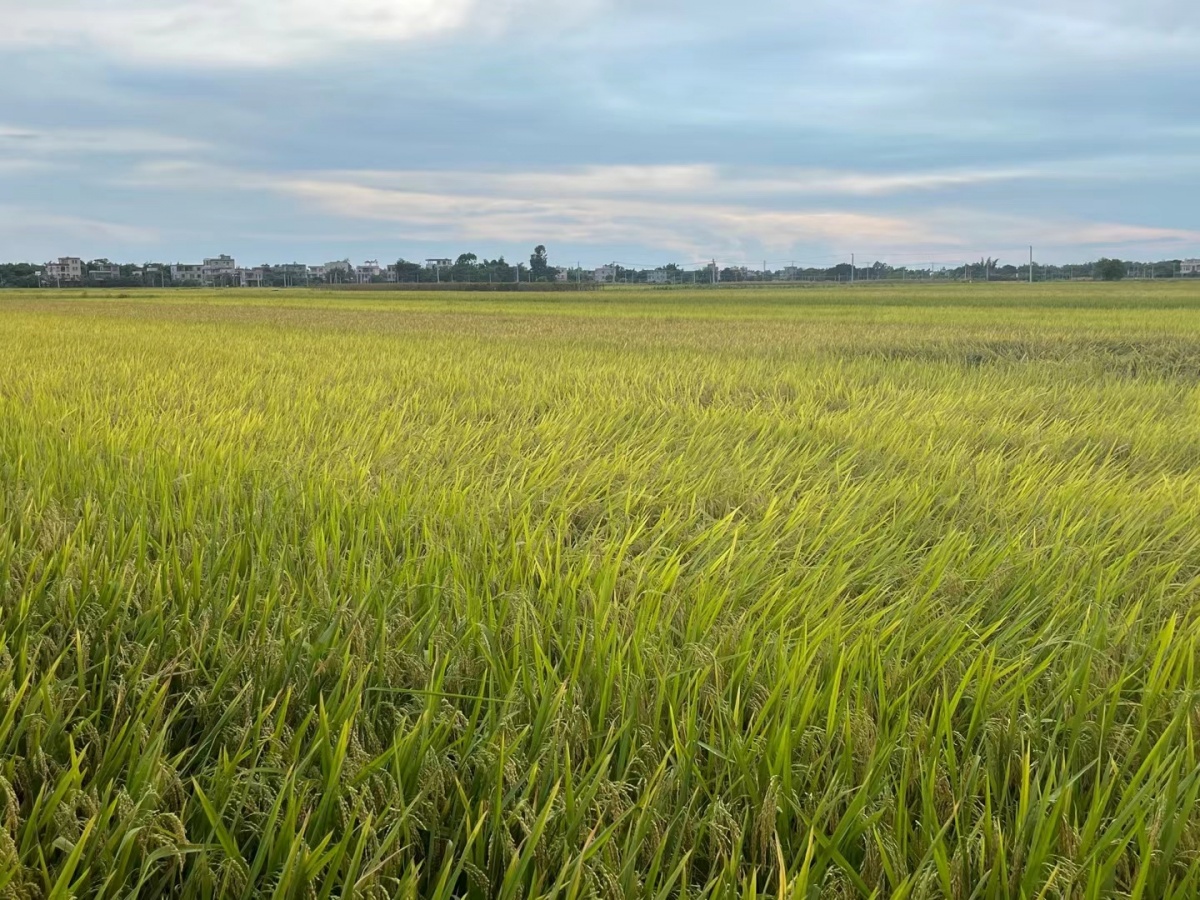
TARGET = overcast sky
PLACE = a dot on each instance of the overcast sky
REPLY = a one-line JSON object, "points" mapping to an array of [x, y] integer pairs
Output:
{"points": [[643, 131]]}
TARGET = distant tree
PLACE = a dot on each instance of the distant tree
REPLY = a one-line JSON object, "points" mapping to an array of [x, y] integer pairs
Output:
{"points": [[539, 264], [498, 270], [1110, 269], [407, 271], [18, 275], [465, 268]]}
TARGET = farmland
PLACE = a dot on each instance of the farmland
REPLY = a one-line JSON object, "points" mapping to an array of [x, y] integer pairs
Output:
{"points": [[880, 592]]}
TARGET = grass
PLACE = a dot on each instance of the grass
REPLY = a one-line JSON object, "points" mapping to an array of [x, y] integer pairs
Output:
{"points": [[824, 593]]}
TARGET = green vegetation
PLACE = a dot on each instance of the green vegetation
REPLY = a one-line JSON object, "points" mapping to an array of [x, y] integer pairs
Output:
{"points": [[853, 593]]}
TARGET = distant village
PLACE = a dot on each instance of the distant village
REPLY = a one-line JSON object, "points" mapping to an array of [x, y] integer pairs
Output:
{"points": [[224, 271]]}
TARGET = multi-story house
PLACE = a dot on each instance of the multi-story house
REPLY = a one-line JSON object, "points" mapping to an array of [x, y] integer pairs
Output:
{"points": [[102, 270], [339, 271], [219, 270], [187, 273], [251, 277], [68, 269], [368, 271]]}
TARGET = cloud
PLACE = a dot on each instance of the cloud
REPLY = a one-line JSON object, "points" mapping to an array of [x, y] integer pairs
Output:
{"points": [[1113, 234], [41, 142], [757, 183], [21, 165], [703, 227], [26, 152], [254, 33], [613, 126], [19, 223], [671, 180], [699, 210], [695, 227], [895, 36]]}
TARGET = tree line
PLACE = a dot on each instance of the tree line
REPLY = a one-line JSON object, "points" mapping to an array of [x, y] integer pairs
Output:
{"points": [[470, 268]]}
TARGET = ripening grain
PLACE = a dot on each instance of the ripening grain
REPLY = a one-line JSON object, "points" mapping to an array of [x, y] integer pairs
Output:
{"points": [[848, 593]]}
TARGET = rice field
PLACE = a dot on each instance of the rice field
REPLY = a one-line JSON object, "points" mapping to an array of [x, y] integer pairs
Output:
{"points": [[845, 593]]}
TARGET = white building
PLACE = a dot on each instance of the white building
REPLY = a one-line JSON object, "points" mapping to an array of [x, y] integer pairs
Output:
{"points": [[103, 270], [605, 273], [368, 271], [219, 270], [439, 263], [251, 277], [659, 276], [68, 268], [339, 271], [187, 273], [1189, 267], [562, 274]]}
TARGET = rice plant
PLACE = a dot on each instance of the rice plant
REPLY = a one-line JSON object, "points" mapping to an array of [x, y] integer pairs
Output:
{"points": [[870, 593]]}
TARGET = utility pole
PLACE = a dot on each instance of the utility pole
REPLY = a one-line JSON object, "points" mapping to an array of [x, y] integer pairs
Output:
{"points": [[1031, 263], [852, 268]]}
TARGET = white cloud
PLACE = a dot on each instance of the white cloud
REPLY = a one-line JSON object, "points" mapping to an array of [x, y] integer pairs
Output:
{"points": [[758, 184], [699, 210], [657, 181], [244, 32], [890, 36], [22, 165], [673, 180], [703, 226], [696, 226], [18, 223], [37, 143]]}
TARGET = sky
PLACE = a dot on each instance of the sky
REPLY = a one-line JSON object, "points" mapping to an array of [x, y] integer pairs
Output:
{"points": [[637, 131]]}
